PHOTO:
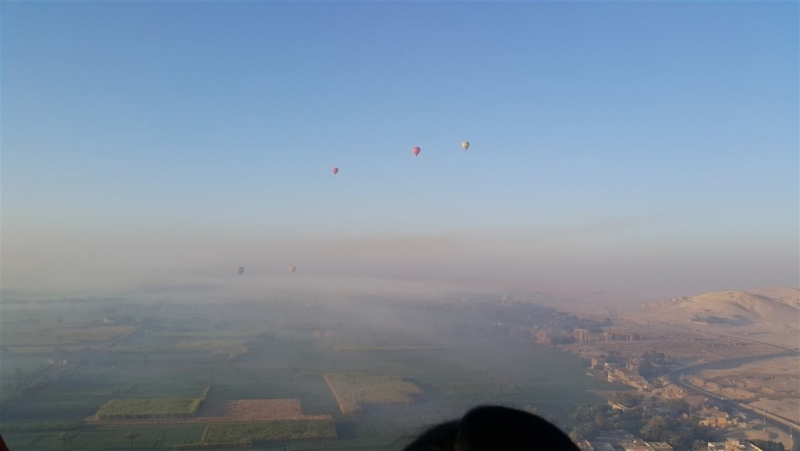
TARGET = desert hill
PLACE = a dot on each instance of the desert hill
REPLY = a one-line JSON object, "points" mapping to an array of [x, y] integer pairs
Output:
{"points": [[731, 308], [787, 295]]}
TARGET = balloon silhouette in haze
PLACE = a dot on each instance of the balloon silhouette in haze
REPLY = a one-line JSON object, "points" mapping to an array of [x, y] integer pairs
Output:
{"points": [[416, 150], [240, 270], [465, 145], [335, 170], [292, 269]]}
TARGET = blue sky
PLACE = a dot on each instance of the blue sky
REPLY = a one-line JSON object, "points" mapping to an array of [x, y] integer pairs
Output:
{"points": [[601, 132]]}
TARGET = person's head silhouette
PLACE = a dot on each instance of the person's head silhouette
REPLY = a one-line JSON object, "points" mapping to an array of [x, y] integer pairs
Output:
{"points": [[493, 428]]}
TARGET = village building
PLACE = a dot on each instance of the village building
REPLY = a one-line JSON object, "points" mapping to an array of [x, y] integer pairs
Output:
{"points": [[660, 446], [716, 418], [737, 445], [638, 445], [582, 336], [602, 446]]}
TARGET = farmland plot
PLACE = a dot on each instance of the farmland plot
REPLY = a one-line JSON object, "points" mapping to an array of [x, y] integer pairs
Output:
{"points": [[62, 336], [353, 389], [269, 431], [150, 437], [364, 348], [231, 348], [267, 409], [124, 409]]}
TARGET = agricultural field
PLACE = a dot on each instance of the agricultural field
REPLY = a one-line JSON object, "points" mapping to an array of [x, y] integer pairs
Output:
{"points": [[151, 437], [359, 397], [382, 348], [50, 349], [354, 389], [267, 409], [269, 431], [130, 409], [220, 346], [231, 348], [91, 334], [62, 336], [239, 336]]}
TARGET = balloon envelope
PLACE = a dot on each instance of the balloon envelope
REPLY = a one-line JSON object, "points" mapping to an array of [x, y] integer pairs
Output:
{"points": [[416, 151], [240, 270], [335, 170], [465, 145], [292, 269]]}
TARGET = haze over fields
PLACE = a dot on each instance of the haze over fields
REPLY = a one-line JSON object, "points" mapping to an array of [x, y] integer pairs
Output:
{"points": [[231, 225]]}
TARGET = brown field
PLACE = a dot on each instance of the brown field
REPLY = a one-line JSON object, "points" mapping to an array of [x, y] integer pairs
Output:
{"points": [[267, 409]]}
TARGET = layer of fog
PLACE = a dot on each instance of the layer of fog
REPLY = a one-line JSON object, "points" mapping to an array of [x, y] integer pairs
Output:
{"points": [[614, 261]]}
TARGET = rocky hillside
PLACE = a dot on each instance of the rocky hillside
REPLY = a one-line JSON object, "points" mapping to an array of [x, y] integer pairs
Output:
{"points": [[732, 308], [789, 296]]}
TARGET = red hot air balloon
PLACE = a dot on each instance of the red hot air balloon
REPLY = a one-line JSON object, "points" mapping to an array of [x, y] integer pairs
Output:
{"points": [[416, 150], [335, 170]]}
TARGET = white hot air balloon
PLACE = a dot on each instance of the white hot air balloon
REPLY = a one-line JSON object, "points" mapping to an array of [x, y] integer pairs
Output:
{"points": [[292, 269], [465, 145]]}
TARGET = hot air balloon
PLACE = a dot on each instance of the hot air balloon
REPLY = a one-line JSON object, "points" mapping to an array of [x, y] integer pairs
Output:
{"points": [[292, 269], [416, 150], [240, 270], [465, 145], [335, 170]]}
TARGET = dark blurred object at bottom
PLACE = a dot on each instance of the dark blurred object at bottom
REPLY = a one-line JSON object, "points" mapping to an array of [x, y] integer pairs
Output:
{"points": [[493, 428]]}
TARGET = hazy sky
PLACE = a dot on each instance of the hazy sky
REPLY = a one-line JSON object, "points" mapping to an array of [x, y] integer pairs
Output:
{"points": [[649, 148]]}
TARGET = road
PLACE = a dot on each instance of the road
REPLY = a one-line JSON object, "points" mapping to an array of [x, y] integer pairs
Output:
{"points": [[719, 334], [771, 420]]}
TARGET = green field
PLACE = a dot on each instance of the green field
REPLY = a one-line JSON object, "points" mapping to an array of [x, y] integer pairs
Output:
{"points": [[150, 437], [118, 409], [212, 345], [108, 437], [269, 431], [356, 347], [161, 370], [354, 389], [60, 336]]}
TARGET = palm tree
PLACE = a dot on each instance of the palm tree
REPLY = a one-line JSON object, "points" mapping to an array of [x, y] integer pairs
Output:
{"points": [[584, 415], [576, 435], [131, 437], [63, 440], [616, 422]]}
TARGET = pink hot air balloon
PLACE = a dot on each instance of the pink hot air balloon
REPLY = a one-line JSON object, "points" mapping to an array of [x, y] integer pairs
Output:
{"points": [[335, 170], [416, 150]]}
